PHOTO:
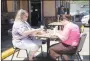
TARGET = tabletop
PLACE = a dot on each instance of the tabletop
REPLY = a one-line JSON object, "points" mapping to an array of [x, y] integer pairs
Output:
{"points": [[55, 23], [49, 34], [47, 37]]}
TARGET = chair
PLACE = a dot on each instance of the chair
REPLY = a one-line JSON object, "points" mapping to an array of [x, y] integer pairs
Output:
{"points": [[81, 43], [18, 50], [81, 26]]}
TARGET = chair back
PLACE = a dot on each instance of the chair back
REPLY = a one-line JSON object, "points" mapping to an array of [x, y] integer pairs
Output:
{"points": [[81, 42], [79, 24]]}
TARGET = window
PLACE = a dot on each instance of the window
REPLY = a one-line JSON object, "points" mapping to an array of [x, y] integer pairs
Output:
{"points": [[66, 5]]}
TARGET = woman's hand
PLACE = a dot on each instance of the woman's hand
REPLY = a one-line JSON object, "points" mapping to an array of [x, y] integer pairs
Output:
{"points": [[43, 32], [55, 34]]}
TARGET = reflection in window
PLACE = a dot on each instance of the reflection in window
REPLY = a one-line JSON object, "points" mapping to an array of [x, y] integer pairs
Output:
{"points": [[66, 5]]}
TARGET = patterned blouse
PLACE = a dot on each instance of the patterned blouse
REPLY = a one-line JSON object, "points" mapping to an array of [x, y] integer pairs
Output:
{"points": [[70, 34], [18, 28]]}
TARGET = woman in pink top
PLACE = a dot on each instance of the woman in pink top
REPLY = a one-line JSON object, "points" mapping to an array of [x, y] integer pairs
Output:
{"points": [[69, 37]]}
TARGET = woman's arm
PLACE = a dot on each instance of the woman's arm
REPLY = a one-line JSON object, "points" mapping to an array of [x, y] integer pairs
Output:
{"points": [[63, 35], [24, 31], [29, 32]]}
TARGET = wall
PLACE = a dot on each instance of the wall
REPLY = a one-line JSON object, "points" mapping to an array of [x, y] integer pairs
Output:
{"points": [[9, 5], [24, 4], [49, 8], [49, 11]]}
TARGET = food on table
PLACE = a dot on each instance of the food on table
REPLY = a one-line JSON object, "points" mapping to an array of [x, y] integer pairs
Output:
{"points": [[38, 33]]}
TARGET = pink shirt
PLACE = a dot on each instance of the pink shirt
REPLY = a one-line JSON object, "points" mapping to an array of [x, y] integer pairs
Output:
{"points": [[70, 34]]}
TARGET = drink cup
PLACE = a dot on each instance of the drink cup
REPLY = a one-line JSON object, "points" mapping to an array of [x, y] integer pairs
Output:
{"points": [[42, 27]]}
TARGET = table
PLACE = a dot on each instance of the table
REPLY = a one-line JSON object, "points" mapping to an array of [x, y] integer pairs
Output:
{"points": [[55, 23], [48, 37], [59, 24]]}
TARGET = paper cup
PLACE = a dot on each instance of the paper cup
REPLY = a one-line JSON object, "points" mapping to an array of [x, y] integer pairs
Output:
{"points": [[42, 27]]}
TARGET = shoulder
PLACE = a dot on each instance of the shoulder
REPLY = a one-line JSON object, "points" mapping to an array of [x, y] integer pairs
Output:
{"points": [[75, 27], [69, 25], [72, 26], [17, 24]]}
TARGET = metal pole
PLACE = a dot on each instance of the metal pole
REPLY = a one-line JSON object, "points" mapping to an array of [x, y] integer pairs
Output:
{"points": [[41, 13], [29, 9]]}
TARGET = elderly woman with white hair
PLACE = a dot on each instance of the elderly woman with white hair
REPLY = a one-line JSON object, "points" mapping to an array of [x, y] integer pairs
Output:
{"points": [[22, 34]]}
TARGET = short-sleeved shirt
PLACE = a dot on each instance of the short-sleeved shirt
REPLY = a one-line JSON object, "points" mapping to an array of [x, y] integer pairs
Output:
{"points": [[71, 34], [24, 41], [18, 29]]}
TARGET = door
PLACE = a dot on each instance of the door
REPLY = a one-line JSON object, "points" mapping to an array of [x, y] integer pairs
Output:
{"points": [[35, 13]]}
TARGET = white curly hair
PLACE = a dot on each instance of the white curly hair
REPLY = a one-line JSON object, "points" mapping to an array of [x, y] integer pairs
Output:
{"points": [[19, 14]]}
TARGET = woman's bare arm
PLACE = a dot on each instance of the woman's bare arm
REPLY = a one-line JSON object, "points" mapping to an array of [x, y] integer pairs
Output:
{"points": [[29, 32]]}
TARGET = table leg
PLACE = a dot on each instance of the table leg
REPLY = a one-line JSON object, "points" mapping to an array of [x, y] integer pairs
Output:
{"points": [[62, 27], [58, 27], [48, 45]]}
